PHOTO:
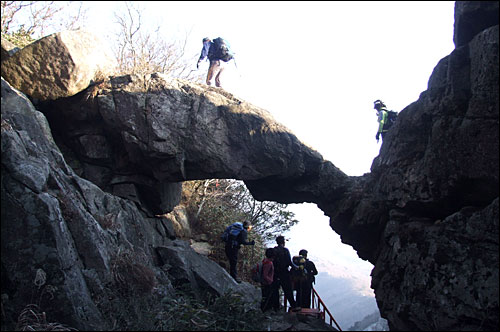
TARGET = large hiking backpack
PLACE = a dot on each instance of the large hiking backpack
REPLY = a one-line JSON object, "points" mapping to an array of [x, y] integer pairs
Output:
{"points": [[391, 119], [280, 259], [299, 273], [231, 233], [257, 272], [220, 50]]}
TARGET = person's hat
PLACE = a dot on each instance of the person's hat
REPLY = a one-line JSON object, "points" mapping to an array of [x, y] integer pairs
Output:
{"points": [[246, 224], [280, 239], [206, 39], [303, 252], [378, 103]]}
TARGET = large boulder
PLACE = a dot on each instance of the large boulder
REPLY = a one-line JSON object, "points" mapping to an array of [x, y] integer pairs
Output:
{"points": [[185, 265], [58, 65]]}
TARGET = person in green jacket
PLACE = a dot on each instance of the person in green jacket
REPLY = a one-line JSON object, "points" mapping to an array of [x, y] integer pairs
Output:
{"points": [[382, 119]]}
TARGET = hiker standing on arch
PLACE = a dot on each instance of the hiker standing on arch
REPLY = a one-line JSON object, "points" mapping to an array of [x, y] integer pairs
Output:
{"points": [[234, 236], [282, 261], [305, 285], [217, 52], [385, 119]]}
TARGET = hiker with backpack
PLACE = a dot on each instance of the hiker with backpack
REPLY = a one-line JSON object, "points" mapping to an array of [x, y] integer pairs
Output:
{"points": [[282, 262], [305, 281], [234, 236], [385, 119], [217, 52]]}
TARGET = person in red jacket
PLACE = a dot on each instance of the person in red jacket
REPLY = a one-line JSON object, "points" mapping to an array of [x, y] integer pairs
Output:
{"points": [[267, 279]]}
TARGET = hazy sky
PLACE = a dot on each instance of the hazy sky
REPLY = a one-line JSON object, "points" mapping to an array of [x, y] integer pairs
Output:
{"points": [[317, 67]]}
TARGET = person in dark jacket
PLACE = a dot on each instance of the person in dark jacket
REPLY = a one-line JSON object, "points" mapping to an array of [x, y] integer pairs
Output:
{"points": [[216, 65], [304, 288], [233, 246], [282, 262]]}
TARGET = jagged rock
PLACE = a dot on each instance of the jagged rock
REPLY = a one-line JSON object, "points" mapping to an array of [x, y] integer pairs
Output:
{"points": [[448, 267], [178, 218], [85, 249], [58, 65], [431, 191], [202, 248], [472, 17], [184, 265]]}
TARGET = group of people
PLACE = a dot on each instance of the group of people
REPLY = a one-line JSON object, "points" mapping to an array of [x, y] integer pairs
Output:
{"points": [[277, 269]]}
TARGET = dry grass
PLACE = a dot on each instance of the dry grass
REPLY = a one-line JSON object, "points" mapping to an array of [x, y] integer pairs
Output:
{"points": [[131, 275], [32, 319]]}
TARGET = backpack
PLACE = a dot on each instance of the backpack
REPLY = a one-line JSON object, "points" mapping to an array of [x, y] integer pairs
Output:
{"points": [[299, 273], [391, 119], [280, 259], [219, 50], [257, 272], [231, 233]]}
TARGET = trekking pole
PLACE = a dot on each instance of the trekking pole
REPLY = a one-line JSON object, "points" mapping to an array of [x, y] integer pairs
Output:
{"points": [[235, 66]]}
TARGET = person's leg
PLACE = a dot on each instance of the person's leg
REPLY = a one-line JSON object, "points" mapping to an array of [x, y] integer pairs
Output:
{"points": [[306, 294], [287, 289], [298, 289], [266, 298], [232, 256], [234, 264], [211, 70], [275, 295], [220, 69]]}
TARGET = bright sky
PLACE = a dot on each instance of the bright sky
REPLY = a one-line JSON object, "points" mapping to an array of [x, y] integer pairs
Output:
{"points": [[317, 67]]}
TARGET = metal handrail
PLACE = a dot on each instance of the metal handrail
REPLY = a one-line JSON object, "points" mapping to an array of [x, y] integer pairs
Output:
{"points": [[317, 304], [321, 303]]}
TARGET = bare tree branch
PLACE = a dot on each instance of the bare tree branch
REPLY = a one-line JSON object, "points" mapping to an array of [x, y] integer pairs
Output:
{"points": [[40, 17]]}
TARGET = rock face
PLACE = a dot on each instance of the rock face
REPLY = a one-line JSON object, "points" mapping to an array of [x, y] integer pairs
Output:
{"points": [[433, 190], [59, 65], [88, 257], [140, 137], [78, 215]]}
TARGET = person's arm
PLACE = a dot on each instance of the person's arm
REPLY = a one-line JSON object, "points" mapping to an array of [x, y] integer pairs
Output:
{"points": [[289, 258], [243, 238], [204, 51], [313, 268]]}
